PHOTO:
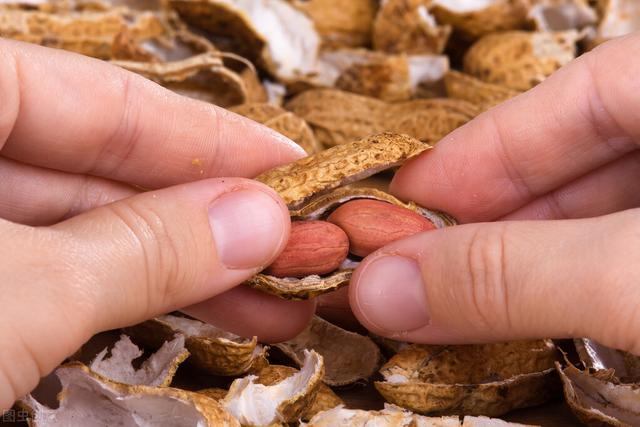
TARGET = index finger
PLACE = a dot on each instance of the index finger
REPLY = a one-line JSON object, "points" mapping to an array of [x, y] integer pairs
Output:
{"points": [[72, 113], [582, 117]]}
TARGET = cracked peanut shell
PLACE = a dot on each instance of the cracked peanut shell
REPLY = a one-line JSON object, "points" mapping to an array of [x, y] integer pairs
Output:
{"points": [[342, 366], [87, 395], [468, 88], [472, 19], [338, 117], [406, 26], [212, 350], [256, 404], [282, 121], [314, 186], [203, 77], [520, 60], [490, 379], [341, 23]]}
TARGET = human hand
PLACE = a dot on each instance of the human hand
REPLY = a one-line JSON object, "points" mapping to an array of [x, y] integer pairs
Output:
{"points": [[565, 152], [82, 252]]}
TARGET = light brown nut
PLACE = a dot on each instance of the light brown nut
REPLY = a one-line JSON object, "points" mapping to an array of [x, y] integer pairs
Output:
{"points": [[489, 379], [520, 60], [371, 224], [314, 248], [406, 26]]}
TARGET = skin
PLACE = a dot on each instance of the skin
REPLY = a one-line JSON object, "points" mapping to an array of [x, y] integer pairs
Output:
{"points": [[84, 250]]}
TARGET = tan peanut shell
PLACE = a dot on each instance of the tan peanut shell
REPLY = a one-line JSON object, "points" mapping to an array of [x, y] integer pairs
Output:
{"points": [[520, 60], [489, 379], [338, 117], [473, 20], [597, 398], [342, 366], [88, 394], [203, 77], [212, 350], [281, 121], [92, 33], [271, 33], [341, 23], [406, 26], [468, 88]]}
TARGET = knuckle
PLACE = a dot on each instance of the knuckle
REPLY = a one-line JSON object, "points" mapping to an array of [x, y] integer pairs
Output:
{"points": [[158, 250], [487, 290]]}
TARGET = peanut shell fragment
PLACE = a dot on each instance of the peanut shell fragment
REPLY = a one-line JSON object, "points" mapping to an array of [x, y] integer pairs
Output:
{"points": [[89, 396], [561, 15], [520, 60], [281, 121], [489, 379], [468, 88], [406, 26], [213, 350], [339, 117], [342, 366]]}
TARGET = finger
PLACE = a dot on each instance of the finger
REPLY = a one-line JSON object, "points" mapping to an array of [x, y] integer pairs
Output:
{"points": [[335, 308], [612, 188], [248, 312], [72, 113], [507, 281], [579, 119], [37, 196], [125, 262]]}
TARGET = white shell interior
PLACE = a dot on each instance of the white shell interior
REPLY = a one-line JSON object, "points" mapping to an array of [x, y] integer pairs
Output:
{"points": [[196, 328], [88, 402], [152, 372], [560, 17], [622, 17], [462, 6], [257, 404]]}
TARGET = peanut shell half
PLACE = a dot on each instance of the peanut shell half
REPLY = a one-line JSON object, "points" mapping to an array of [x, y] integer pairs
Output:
{"points": [[520, 60], [92, 33], [89, 396], [490, 379], [271, 33], [285, 401], [597, 398], [201, 77], [342, 366], [339, 117], [341, 23], [283, 122], [406, 26], [472, 19], [158, 370], [212, 350], [468, 88]]}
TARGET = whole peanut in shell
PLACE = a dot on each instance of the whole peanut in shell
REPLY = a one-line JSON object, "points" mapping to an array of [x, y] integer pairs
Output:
{"points": [[314, 247], [371, 224]]}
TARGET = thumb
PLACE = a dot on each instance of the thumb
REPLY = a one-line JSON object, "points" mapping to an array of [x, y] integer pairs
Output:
{"points": [[126, 262], [507, 281]]}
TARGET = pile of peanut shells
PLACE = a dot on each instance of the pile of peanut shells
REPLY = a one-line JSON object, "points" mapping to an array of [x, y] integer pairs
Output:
{"points": [[361, 86]]}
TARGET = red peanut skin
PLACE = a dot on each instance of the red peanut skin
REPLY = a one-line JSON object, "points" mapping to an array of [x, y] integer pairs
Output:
{"points": [[372, 224], [314, 247]]}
